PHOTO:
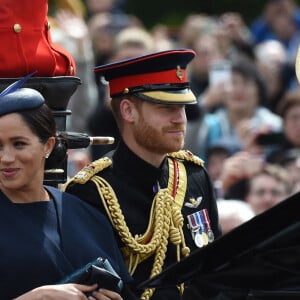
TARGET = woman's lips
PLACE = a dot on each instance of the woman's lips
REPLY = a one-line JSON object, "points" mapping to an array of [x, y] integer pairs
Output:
{"points": [[9, 172]]}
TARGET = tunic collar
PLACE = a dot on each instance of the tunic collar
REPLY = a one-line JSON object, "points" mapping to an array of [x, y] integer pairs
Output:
{"points": [[140, 171]]}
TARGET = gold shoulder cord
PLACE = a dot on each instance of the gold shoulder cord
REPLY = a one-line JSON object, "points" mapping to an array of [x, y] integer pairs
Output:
{"points": [[87, 172], [166, 220], [188, 156]]}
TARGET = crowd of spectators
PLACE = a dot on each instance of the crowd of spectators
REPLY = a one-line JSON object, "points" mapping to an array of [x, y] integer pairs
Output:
{"points": [[261, 96]]}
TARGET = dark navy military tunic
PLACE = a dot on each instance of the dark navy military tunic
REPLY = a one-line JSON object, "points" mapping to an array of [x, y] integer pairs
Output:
{"points": [[134, 181]]}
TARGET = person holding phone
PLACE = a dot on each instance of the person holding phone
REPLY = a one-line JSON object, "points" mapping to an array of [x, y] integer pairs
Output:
{"points": [[243, 111], [207, 73], [289, 110]]}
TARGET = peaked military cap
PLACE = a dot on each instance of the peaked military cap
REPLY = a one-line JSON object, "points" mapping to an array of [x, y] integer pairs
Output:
{"points": [[14, 98], [158, 77]]}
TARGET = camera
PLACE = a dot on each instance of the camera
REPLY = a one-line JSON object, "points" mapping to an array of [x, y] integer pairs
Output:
{"points": [[272, 138]]}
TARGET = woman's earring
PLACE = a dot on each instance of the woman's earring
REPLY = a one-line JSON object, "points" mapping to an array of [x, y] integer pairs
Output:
{"points": [[47, 155]]}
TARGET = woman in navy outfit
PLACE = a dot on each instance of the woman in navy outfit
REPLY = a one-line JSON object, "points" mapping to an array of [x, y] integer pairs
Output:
{"points": [[46, 234]]}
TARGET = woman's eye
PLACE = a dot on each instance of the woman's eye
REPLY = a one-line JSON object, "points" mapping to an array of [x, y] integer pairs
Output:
{"points": [[19, 144]]}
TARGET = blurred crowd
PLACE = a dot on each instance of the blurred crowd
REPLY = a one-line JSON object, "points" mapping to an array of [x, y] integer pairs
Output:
{"points": [[246, 125]]}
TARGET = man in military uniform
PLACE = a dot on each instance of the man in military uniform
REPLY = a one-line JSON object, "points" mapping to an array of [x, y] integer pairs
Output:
{"points": [[158, 197]]}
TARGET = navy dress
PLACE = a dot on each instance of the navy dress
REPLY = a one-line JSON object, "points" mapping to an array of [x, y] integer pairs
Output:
{"points": [[42, 242]]}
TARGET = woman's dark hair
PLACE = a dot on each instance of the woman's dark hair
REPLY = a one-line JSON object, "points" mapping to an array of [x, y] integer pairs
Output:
{"points": [[248, 70], [289, 100], [42, 123]]}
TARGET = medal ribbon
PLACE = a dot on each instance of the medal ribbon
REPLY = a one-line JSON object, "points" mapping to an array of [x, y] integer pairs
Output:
{"points": [[192, 222], [201, 215], [207, 223], [206, 218]]}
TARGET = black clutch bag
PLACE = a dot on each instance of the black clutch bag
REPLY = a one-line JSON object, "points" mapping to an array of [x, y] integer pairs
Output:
{"points": [[98, 271]]}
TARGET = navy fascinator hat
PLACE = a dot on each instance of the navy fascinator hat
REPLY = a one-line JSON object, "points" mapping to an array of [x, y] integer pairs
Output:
{"points": [[15, 99]]}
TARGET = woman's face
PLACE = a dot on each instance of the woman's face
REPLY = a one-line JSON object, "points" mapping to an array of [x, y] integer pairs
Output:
{"points": [[243, 94], [265, 192], [292, 125], [22, 155], [207, 52]]}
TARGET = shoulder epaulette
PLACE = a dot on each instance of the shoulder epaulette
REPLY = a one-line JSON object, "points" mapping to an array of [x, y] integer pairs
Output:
{"points": [[87, 172], [188, 156]]}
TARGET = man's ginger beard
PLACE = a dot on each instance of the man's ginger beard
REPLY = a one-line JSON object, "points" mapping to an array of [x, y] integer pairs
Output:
{"points": [[158, 141]]}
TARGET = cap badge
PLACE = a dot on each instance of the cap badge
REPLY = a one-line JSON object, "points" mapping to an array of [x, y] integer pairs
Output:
{"points": [[179, 73]]}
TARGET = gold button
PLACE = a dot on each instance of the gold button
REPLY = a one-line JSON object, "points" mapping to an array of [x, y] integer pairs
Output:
{"points": [[48, 25], [126, 91], [17, 28], [71, 70]]}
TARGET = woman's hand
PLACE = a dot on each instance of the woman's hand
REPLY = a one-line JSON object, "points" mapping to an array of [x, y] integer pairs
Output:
{"points": [[103, 294], [242, 165], [70, 291], [248, 135]]}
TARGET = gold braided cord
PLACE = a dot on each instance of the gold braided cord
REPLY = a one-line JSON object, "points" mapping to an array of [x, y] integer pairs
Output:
{"points": [[87, 172], [159, 256], [188, 156], [165, 222], [161, 203], [176, 232]]}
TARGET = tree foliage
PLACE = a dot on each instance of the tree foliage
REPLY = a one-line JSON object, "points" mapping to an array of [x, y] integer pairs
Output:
{"points": [[172, 12]]}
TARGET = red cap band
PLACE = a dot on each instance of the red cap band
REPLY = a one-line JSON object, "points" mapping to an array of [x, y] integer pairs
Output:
{"points": [[118, 85]]}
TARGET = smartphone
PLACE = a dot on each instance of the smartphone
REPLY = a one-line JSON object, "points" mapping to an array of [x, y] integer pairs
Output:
{"points": [[219, 71], [272, 138]]}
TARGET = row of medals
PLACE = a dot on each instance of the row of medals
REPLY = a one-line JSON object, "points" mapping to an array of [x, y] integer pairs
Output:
{"points": [[199, 226]]}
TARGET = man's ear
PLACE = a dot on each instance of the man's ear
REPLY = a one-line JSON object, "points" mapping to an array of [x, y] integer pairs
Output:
{"points": [[128, 110]]}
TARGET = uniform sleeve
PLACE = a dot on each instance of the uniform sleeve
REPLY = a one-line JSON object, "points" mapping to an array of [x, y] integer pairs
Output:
{"points": [[212, 209]]}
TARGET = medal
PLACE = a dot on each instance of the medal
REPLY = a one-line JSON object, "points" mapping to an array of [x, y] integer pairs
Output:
{"points": [[204, 238], [197, 226], [194, 229], [198, 240], [210, 233], [203, 229]]}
